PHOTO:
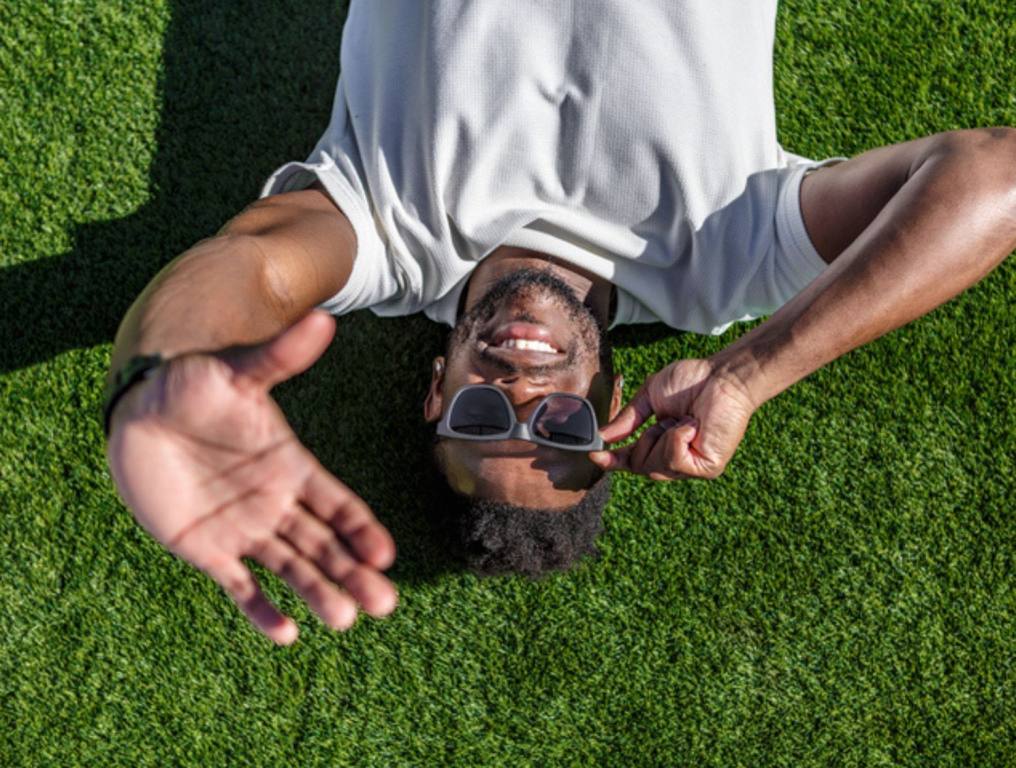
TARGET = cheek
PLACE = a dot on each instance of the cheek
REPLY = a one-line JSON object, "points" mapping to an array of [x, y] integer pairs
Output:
{"points": [[599, 392], [458, 372]]}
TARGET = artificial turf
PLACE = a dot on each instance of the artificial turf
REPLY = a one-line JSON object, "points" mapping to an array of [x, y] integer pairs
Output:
{"points": [[843, 595]]}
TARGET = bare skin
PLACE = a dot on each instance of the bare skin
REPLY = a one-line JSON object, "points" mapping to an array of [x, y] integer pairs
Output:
{"points": [[202, 454], [904, 228], [204, 458], [514, 470]]}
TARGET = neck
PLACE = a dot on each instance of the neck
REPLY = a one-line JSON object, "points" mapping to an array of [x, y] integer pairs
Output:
{"points": [[592, 290]]}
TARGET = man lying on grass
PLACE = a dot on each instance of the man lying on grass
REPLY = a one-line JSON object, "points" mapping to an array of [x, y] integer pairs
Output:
{"points": [[531, 178]]}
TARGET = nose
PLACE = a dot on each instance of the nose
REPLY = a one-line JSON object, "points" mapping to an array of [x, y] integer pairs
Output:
{"points": [[524, 389]]}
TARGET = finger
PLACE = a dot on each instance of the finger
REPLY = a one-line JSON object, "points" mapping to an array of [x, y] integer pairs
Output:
{"points": [[612, 461], [319, 544], [372, 590], [684, 459], [348, 514], [643, 447], [239, 583], [335, 608], [291, 352], [668, 459], [631, 417], [628, 458]]}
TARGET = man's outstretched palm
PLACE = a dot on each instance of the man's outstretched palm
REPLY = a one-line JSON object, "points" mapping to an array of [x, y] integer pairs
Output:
{"points": [[205, 459]]}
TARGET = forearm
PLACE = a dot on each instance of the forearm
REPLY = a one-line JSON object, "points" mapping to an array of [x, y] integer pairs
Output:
{"points": [[947, 226], [213, 295], [265, 269]]}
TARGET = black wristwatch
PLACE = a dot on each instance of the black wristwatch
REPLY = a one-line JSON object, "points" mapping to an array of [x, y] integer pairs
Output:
{"points": [[134, 370]]}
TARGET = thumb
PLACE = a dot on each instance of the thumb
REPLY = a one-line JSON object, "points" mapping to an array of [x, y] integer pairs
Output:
{"points": [[291, 352], [612, 461], [687, 431], [631, 417], [689, 459]]}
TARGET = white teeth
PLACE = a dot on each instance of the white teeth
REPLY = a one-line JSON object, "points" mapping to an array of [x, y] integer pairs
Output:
{"points": [[533, 344]]}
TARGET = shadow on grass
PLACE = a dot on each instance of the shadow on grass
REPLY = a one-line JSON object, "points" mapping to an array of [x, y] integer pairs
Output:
{"points": [[245, 87]]}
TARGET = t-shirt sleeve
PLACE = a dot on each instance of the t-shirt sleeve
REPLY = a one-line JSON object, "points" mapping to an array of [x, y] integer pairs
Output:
{"points": [[374, 278]]}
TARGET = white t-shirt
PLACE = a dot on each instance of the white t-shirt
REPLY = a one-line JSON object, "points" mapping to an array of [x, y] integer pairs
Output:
{"points": [[635, 140]]}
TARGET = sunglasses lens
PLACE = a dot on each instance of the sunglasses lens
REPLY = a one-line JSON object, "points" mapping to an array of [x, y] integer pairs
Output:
{"points": [[565, 420], [479, 412]]}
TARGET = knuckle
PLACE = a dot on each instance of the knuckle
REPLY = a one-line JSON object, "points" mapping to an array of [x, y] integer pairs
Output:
{"points": [[313, 592], [330, 554], [237, 586], [360, 582], [256, 546], [289, 571], [236, 581], [323, 549], [287, 521]]}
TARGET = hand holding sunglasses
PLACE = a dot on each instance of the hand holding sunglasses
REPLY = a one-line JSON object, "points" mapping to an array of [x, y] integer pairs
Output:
{"points": [[700, 415]]}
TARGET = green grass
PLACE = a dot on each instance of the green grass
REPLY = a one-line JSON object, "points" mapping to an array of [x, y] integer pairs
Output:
{"points": [[843, 595]]}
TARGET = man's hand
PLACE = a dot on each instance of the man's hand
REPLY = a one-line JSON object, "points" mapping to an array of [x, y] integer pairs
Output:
{"points": [[205, 459], [700, 420]]}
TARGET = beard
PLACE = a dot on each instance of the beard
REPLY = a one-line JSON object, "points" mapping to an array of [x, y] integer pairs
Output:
{"points": [[590, 339]]}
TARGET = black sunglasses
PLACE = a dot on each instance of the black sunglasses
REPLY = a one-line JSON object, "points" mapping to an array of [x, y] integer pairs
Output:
{"points": [[560, 420]]}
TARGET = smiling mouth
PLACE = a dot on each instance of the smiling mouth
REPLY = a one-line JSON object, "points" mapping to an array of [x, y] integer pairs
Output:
{"points": [[524, 335], [514, 358], [522, 344]]}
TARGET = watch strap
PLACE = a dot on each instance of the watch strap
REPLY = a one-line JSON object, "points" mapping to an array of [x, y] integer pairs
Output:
{"points": [[134, 370]]}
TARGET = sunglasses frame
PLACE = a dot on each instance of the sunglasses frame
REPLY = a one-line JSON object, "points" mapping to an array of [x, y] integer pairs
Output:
{"points": [[519, 430]]}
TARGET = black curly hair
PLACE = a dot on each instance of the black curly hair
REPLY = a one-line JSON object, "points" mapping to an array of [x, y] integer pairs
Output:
{"points": [[495, 537]]}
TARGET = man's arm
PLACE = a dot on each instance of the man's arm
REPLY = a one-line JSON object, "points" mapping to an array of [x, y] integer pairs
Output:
{"points": [[950, 221], [200, 452], [905, 228], [266, 268]]}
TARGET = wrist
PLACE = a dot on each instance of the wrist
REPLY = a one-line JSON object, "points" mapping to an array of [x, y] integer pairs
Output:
{"points": [[742, 369], [125, 385]]}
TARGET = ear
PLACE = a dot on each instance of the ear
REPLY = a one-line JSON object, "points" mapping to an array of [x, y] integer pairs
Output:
{"points": [[615, 400], [435, 401]]}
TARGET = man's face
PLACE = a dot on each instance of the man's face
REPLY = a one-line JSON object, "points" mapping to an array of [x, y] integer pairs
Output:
{"points": [[528, 335]]}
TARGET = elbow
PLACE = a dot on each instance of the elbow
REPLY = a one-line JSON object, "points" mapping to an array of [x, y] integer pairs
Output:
{"points": [[986, 157], [1000, 154], [982, 165]]}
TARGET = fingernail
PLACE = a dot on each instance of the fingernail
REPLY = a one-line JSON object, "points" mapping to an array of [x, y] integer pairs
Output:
{"points": [[288, 634]]}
